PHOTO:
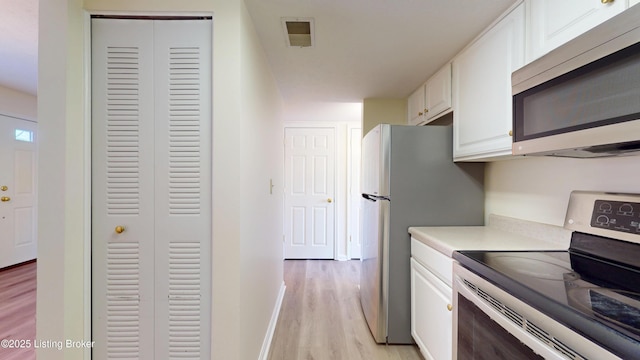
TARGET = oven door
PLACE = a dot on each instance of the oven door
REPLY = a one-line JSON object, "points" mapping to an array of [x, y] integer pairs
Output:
{"points": [[491, 324]]}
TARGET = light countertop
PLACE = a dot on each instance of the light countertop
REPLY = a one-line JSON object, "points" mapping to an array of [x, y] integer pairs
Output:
{"points": [[523, 236]]}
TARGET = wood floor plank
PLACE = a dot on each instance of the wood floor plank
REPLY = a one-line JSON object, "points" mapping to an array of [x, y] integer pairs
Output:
{"points": [[321, 317], [18, 309]]}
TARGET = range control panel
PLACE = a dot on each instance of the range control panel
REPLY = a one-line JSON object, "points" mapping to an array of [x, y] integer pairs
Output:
{"points": [[616, 215]]}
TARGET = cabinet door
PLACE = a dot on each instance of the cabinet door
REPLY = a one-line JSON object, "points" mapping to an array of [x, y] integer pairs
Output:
{"points": [[438, 93], [431, 315], [552, 23], [482, 90], [415, 106]]}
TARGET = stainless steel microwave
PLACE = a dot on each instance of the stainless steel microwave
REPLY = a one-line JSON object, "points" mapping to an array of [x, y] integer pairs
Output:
{"points": [[582, 99]]}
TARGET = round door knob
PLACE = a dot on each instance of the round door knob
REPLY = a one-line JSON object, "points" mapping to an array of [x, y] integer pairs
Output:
{"points": [[510, 132], [449, 307], [5, 198], [329, 200], [4, 188], [119, 229]]}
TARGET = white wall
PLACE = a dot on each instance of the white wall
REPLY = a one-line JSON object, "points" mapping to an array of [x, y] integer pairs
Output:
{"points": [[383, 111], [323, 111], [262, 159], [538, 188], [247, 268], [62, 185], [18, 104]]}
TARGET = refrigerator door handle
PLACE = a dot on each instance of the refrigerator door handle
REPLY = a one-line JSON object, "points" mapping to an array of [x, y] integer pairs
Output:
{"points": [[375, 198], [369, 197]]}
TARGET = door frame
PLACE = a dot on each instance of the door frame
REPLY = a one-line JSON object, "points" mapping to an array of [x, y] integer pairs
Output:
{"points": [[353, 195], [87, 297], [341, 223]]}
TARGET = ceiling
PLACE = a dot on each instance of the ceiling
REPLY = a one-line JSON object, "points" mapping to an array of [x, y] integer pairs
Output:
{"points": [[363, 48], [367, 48]]}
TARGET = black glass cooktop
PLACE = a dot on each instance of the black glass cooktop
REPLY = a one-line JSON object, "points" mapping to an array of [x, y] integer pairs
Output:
{"points": [[595, 294]]}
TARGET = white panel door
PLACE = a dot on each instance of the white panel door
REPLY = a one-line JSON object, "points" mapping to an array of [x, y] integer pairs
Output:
{"points": [[309, 191], [151, 198], [17, 191]]}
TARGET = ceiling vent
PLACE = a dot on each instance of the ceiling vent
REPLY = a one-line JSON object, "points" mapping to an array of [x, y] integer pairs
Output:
{"points": [[298, 32]]}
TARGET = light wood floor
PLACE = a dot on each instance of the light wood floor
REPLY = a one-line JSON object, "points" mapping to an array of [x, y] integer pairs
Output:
{"points": [[18, 309], [321, 317]]}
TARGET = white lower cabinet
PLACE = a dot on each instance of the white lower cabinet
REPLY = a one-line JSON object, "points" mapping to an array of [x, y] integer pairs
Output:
{"points": [[431, 308]]}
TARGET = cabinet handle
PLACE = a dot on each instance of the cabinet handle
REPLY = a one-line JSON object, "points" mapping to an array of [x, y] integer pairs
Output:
{"points": [[510, 132], [606, 1], [4, 188], [449, 307], [5, 199], [119, 229], [426, 111], [420, 114]]}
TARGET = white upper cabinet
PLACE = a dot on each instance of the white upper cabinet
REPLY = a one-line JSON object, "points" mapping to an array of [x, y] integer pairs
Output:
{"points": [[551, 23], [431, 99], [482, 90], [437, 92], [415, 106]]}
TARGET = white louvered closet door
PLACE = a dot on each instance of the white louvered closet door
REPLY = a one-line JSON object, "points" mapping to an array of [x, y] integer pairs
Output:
{"points": [[151, 175]]}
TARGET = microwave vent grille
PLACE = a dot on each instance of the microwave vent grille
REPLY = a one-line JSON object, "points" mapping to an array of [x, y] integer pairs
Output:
{"points": [[524, 323]]}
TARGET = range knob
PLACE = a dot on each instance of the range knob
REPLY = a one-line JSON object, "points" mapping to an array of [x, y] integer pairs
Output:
{"points": [[626, 210], [605, 208], [602, 220]]}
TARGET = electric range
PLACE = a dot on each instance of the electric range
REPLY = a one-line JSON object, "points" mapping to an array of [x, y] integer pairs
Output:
{"points": [[593, 288]]}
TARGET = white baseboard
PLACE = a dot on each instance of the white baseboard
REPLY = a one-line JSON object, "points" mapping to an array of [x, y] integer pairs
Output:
{"points": [[266, 345]]}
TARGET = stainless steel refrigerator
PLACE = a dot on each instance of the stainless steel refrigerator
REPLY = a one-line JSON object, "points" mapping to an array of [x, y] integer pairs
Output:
{"points": [[408, 179]]}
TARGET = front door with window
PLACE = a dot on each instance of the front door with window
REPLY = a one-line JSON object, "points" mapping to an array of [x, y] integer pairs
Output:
{"points": [[17, 191]]}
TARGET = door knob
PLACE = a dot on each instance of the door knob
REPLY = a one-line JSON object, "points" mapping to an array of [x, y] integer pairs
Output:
{"points": [[449, 307], [4, 188], [119, 229], [5, 198], [329, 200]]}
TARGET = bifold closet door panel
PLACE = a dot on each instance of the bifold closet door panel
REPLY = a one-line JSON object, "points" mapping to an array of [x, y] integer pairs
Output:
{"points": [[183, 183], [151, 171], [122, 169]]}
